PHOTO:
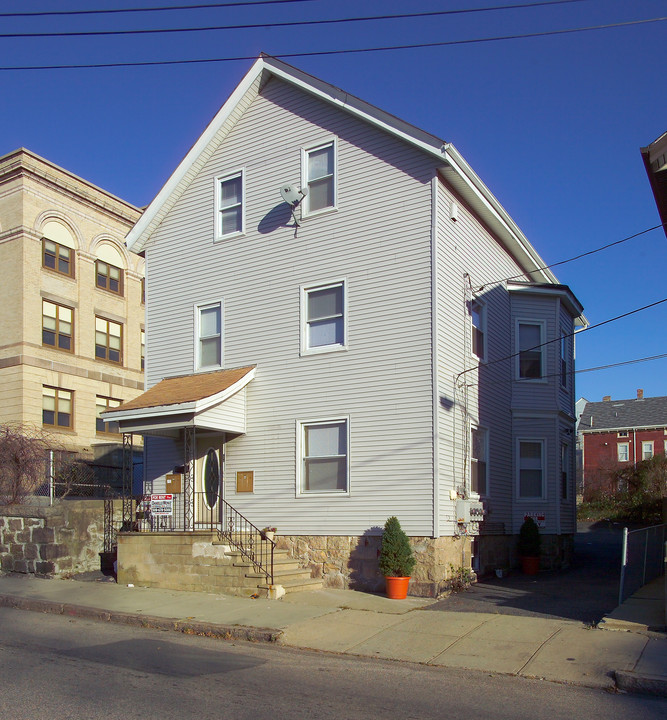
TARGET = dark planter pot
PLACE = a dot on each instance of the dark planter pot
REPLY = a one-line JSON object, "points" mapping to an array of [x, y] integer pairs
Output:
{"points": [[530, 565], [397, 587]]}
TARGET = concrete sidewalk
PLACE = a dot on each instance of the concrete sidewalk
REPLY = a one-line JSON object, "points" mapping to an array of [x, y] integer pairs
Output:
{"points": [[345, 621]]}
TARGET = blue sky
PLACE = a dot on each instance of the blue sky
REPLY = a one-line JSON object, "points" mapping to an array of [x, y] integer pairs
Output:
{"points": [[553, 125]]}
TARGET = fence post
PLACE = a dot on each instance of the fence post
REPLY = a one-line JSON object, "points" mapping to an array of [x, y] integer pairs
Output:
{"points": [[52, 489], [624, 562]]}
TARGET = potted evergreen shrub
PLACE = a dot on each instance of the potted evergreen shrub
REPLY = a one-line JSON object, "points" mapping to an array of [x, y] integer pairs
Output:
{"points": [[529, 547], [396, 559]]}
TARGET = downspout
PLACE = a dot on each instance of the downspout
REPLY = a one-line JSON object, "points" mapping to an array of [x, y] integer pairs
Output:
{"points": [[434, 354], [559, 443]]}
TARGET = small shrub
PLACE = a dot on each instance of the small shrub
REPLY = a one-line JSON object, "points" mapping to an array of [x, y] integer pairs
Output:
{"points": [[460, 578], [530, 541], [396, 556], [22, 462]]}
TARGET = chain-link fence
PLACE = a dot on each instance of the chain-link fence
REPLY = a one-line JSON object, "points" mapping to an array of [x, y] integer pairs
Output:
{"points": [[642, 559]]}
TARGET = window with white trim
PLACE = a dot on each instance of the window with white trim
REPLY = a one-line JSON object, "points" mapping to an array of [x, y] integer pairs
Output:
{"points": [[647, 449], [623, 452], [479, 466], [229, 205], [319, 174], [478, 321], [563, 358], [209, 336], [564, 471], [530, 467], [323, 457], [530, 349], [323, 318], [622, 433]]}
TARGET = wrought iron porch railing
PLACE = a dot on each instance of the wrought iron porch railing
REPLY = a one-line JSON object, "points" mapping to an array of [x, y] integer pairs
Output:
{"points": [[209, 512]]}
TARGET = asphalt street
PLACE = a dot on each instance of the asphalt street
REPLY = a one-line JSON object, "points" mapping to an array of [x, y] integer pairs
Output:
{"points": [[75, 669]]}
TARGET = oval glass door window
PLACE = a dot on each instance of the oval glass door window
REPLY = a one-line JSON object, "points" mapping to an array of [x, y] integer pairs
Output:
{"points": [[211, 478]]}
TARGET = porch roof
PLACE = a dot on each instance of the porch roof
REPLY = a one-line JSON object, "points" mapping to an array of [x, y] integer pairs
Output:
{"points": [[188, 400]]}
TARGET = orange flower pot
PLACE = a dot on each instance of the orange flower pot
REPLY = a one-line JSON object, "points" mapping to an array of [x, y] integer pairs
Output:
{"points": [[397, 587]]}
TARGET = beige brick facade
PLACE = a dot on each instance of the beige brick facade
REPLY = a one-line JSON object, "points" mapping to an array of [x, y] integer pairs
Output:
{"points": [[40, 201]]}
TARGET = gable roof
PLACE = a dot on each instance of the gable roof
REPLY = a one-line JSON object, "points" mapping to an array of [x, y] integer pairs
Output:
{"points": [[452, 166], [624, 414]]}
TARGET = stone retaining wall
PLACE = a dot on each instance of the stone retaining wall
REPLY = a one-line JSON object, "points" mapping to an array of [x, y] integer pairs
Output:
{"points": [[63, 539], [352, 562]]}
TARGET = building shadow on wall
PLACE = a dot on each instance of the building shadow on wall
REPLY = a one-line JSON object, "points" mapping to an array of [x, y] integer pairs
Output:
{"points": [[364, 572]]}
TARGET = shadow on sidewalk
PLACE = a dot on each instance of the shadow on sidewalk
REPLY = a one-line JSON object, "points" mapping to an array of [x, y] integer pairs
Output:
{"points": [[586, 591]]}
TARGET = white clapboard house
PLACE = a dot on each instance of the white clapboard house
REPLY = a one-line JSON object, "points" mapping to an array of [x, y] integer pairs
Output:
{"points": [[344, 324]]}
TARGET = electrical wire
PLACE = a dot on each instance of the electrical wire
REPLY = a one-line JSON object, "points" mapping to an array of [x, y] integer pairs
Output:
{"points": [[576, 257], [60, 13], [560, 337], [320, 53], [112, 11], [254, 26]]}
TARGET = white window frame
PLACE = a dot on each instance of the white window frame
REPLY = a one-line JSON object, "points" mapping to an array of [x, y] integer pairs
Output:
{"points": [[306, 212], [542, 348], [649, 444], [219, 181], [626, 446], [305, 290], [301, 426], [482, 329], [623, 433], [479, 428], [543, 444], [197, 337]]}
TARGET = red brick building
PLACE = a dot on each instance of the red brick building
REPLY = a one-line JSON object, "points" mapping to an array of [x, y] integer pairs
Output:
{"points": [[619, 433]]}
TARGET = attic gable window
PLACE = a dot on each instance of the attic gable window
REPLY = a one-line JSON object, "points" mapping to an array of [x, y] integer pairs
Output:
{"points": [[319, 174], [230, 215]]}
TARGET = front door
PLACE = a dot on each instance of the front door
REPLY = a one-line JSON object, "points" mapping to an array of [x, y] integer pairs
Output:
{"points": [[208, 481]]}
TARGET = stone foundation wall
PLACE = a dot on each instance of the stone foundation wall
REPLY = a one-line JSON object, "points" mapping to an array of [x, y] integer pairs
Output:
{"points": [[63, 539], [352, 562]]}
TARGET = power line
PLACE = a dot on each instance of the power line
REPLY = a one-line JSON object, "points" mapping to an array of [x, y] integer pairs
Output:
{"points": [[111, 11], [576, 257], [316, 53], [281, 24], [560, 337], [52, 13]]}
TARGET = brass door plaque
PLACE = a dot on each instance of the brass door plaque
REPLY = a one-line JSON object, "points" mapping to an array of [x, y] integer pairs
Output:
{"points": [[245, 481]]}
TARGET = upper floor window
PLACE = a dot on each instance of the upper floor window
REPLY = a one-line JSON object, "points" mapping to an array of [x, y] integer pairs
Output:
{"points": [[320, 176], [108, 340], [564, 471], [478, 320], [530, 336], [57, 257], [102, 404], [531, 480], [108, 277], [479, 468], [57, 326], [229, 205], [647, 449], [563, 358], [623, 450], [323, 457], [143, 291], [622, 433], [57, 407], [209, 336], [143, 349], [323, 313]]}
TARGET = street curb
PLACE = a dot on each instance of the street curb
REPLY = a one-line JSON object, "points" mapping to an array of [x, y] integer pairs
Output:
{"points": [[645, 684], [188, 627]]}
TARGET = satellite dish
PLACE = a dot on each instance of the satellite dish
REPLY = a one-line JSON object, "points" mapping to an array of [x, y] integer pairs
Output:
{"points": [[291, 194]]}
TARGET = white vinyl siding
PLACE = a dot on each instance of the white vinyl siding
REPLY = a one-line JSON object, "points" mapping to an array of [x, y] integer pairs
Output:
{"points": [[229, 205], [323, 318], [383, 381]]}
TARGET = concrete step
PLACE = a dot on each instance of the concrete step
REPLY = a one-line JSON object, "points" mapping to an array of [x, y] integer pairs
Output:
{"points": [[296, 585]]}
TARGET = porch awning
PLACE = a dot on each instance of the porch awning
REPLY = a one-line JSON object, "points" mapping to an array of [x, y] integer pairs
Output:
{"points": [[210, 401]]}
